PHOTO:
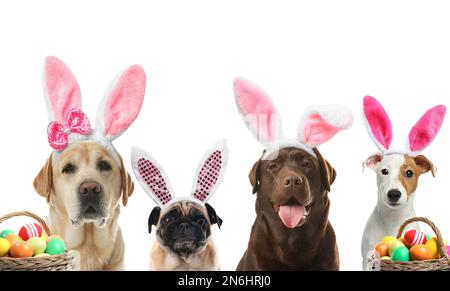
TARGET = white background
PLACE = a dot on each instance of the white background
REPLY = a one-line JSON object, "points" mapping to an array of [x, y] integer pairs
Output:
{"points": [[301, 52]]}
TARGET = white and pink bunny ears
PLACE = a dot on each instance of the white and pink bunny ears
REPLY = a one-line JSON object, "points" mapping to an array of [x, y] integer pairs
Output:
{"points": [[317, 125], [118, 110], [156, 184], [421, 135]]}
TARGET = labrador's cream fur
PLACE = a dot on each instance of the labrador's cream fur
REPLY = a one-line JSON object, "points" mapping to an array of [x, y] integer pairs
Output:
{"points": [[99, 243]]}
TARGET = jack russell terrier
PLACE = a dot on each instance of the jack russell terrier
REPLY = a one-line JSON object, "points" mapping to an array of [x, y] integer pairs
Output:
{"points": [[397, 173]]}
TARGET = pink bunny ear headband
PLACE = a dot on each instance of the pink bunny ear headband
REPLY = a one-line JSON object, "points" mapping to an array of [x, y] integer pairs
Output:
{"points": [[317, 125], [421, 135], [156, 184], [117, 111]]}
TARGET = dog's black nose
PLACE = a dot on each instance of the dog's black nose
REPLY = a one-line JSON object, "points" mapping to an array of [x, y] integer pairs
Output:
{"points": [[89, 189], [292, 181], [184, 226], [394, 195]]}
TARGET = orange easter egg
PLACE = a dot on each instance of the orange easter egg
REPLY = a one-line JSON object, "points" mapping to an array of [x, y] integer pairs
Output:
{"points": [[382, 248], [13, 238], [420, 253], [21, 249]]}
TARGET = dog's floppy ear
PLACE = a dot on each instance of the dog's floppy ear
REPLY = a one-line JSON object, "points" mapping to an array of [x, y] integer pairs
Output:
{"points": [[254, 176], [127, 183], [372, 161], [213, 217], [43, 182], [154, 218], [425, 164], [328, 172]]}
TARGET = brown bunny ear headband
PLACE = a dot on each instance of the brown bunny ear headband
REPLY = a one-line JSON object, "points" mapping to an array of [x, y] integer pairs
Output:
{"points": [[317, 125], [118, 110], [156, 184]]}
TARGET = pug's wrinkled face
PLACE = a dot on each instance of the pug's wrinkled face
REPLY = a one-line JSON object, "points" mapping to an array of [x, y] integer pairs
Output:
{"points": [[184, 227]]}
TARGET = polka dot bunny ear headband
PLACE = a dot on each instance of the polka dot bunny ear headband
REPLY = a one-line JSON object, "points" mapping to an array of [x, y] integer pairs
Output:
{"points": [[68, 124], [318, 124], [156, 184], [379, 127]]}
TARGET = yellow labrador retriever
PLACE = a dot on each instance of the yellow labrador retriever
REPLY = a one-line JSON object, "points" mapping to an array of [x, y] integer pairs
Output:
{"points": [[85, 181]]}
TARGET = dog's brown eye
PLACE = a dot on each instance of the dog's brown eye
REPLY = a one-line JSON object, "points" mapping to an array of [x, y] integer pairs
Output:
{"points": [[104, 166], [305, 164], [68, 169], [409, 173], [384, 172], [272, 166], [201, 221]]}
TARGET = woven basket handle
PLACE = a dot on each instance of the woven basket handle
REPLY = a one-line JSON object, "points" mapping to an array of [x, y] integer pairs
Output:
{"points": [[29, 214], [441, 247]]}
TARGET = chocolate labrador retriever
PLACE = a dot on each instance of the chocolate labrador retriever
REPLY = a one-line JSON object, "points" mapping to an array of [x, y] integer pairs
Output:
{"points": [[291, 230]]}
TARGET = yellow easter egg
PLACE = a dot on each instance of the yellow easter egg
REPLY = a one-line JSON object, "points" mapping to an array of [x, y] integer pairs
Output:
{"points": [[4, 247], [388, 239], [432, 245], [386, 258]]}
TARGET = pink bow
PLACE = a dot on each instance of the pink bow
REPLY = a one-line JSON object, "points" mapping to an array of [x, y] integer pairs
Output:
{"points": [[58, 134]]}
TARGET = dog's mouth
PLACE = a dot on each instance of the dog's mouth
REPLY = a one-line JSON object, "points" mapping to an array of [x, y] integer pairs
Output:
{"points": [[185, 246], [292, 213], [90, 213], [393, 204]]}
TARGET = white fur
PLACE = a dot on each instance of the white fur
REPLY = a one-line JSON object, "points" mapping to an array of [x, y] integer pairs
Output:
{"points": [[385, 220]]}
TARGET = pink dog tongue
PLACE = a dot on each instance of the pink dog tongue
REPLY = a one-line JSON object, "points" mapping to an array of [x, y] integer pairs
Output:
{"points": [[291, 215]]}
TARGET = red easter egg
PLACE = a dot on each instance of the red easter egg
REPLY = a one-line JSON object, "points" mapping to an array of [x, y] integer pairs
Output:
{"points": [[30, 230], [414, 237]]}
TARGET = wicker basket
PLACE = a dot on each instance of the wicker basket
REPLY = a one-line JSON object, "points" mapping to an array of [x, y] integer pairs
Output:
{"points": [[441, 264], [61, 262]]}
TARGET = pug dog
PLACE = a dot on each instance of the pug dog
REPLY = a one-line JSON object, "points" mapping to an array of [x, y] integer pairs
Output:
{"points": [[183, 237], [183, 225]]}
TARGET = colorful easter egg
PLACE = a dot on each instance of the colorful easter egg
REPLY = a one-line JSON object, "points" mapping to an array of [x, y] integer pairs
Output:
{"points": [[55, 246], [30, 230], [382, 248], [5, 232], [13, 238], [401, 254], [4, 247], [52, 237], [42, 255], [432, 245], [38, 245], [415, 237], [388, 239], [448, 250], [420, 253], [394, 245], [21, 249], [386, 258]]}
